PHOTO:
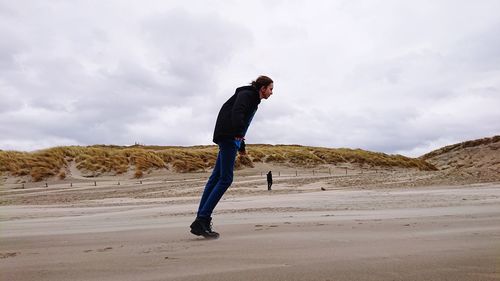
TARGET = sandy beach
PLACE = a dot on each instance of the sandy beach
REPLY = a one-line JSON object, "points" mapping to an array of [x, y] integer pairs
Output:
{"points": [[406, 233]]}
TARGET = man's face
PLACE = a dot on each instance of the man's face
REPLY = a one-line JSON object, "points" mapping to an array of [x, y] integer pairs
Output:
{"points": [[266, 92]]}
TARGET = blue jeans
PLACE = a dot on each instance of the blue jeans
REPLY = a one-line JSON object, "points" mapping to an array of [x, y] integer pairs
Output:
{"points": [[221, 178]]}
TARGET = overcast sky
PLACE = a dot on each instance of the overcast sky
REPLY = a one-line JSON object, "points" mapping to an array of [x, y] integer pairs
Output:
{"points": [[395, 76]]}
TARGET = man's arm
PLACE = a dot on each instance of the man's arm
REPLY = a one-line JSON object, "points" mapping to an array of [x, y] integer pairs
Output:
{"points": [[240, 106]]}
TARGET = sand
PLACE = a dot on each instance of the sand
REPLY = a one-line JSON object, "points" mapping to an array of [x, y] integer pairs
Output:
{"points": [[295, 232]]}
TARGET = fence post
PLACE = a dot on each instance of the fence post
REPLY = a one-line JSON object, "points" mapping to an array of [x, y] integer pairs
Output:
{"points": [[346, 170], [330, 171], [95, 183], [313, 172], [23, 185], [279, 173], [118, 183], [296, 174], [140, 182], [71, 185], [46, 185]]}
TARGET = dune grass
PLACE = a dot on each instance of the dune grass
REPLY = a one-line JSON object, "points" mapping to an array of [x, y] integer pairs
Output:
{"points": [[97, 160]]}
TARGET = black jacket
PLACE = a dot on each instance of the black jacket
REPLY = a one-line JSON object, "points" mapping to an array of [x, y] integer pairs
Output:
{"points": [[269, 177], [236, 114]]}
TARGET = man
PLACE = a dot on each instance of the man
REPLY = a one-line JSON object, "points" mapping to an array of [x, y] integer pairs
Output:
{"points": [[269, 180], [232, 123]]}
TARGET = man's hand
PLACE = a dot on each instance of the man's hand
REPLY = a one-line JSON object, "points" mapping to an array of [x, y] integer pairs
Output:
{"points": [[241, 139]]}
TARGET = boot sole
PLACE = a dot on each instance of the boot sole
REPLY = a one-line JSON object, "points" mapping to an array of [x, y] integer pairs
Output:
{"points": [[204, 235], [212, 237]]}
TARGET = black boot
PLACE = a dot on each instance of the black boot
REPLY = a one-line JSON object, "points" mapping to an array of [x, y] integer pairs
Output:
{"points": [[203, 227]]}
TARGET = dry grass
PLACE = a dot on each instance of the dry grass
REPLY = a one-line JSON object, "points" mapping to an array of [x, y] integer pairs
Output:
{"points": [[98, 160], [305, 156], [38, 165]]}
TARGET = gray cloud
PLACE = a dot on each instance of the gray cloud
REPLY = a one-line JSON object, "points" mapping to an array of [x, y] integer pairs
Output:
{"points": [[379, 75], [93, 89]]}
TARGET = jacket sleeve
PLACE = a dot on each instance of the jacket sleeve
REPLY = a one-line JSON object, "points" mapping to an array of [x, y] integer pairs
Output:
{"points": [[238, 113]]}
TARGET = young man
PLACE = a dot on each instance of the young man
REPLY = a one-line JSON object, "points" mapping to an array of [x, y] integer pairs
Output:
{"points": [[232, 123]]}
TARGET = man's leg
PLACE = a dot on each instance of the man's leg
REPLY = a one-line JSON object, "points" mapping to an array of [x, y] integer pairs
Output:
{"points": [[227, 155], [212, 181]]}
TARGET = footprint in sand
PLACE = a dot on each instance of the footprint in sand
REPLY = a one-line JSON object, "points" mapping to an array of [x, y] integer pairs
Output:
{"points": [[263, 227], [99, 250], [104, 249], [8, 255]]}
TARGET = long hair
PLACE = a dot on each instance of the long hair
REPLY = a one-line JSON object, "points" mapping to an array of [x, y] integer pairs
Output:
{"points": [[261, 81]]}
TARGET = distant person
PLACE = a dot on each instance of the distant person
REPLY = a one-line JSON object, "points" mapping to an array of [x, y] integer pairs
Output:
{"points": [[232, 123], [269, 180]]}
